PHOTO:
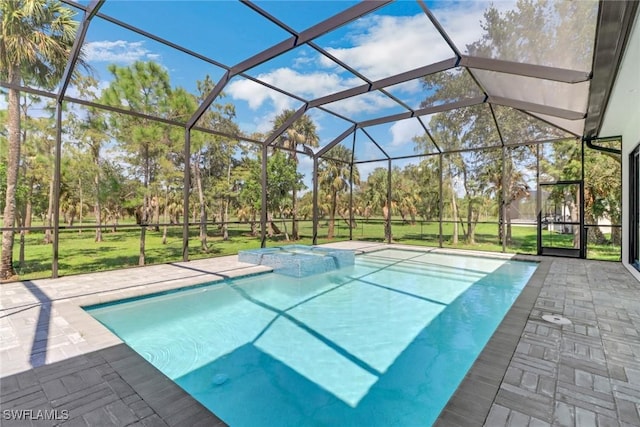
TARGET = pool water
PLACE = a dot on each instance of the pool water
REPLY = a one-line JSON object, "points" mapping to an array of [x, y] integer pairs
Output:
{"points": [[299, 260], [383, 342]]}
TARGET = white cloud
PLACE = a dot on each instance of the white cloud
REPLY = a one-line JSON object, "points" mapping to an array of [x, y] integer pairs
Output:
{"points": [[410, 87], [382, 45], [378, 46], [256, 94], [312, 85], [366, 103], [387, 45], [303, 61], [308, 85], [404, 131], [119, 51]]}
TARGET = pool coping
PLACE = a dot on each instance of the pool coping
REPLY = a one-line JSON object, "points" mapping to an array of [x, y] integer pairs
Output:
{"points": [[472, 401], [469, 405]]}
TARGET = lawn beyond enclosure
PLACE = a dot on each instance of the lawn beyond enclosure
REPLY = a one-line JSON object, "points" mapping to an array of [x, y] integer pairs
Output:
{"points": [[78, 253]]}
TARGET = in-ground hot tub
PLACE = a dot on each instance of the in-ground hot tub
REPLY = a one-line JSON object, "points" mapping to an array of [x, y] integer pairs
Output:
{"points": [[299, 260]]}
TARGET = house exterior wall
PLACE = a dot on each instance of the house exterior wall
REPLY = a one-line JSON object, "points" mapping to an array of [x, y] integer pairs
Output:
{"points": [[622, 117]]}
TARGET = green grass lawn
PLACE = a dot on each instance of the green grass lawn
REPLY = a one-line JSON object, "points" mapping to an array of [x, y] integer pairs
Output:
{"points": [[78, 253]]}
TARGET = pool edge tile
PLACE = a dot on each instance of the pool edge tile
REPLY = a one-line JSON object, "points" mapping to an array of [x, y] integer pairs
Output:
{"points": [[508, 332]]}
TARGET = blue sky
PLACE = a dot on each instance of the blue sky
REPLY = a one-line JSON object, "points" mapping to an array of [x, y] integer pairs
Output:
{"points": [[228, 31]]}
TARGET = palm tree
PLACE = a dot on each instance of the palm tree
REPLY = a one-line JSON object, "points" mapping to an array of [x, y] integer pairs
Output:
{"points": [[334, 176], [36, 37], [375, 195], [303, 131]]}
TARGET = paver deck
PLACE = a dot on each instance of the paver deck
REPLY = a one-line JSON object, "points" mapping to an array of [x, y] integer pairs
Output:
{"points": [[58, 362]]}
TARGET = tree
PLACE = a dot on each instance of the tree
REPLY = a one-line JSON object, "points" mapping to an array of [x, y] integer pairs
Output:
{"points": [[281, 178], [602, 192], [171, 161], [302, 132], [561, 161], [516, 187], [46, 145], [36, 37], [90, 134], [143, 87], [448, 132], [36, 168], [426, 177], [213, 160], [250, 193], [117, 190], [76, 184], [34, 171], [375, 197], [513, 35], [460, 129], [335, 177], [406, 193], [536, 32]]}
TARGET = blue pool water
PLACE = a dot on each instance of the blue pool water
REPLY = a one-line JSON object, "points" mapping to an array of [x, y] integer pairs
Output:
{"points": [[383, 342], [299, 260]]}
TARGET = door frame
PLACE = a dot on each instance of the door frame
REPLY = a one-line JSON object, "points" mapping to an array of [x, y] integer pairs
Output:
{"points": [[558, 251]]}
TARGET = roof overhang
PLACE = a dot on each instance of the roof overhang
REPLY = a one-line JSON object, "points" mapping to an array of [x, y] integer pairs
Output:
{"points": [[615, 21]]}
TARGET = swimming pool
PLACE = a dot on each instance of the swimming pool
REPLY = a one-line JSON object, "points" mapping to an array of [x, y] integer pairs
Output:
{"points": [[299, 260], [384, 342]]}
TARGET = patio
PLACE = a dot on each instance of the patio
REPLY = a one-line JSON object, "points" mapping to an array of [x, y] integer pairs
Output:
{"points": [[55, 357], [531, 111]]}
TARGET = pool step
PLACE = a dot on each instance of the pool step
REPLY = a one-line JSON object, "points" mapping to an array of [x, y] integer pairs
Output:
{"points": [[299, 260]]}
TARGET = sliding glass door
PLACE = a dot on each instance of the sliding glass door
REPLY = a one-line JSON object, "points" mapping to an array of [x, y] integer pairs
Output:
{"points": [[634, 208]]}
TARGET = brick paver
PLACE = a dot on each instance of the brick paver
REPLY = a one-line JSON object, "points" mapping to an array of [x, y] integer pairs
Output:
{"points": [[54, 356], [578, 374]]}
